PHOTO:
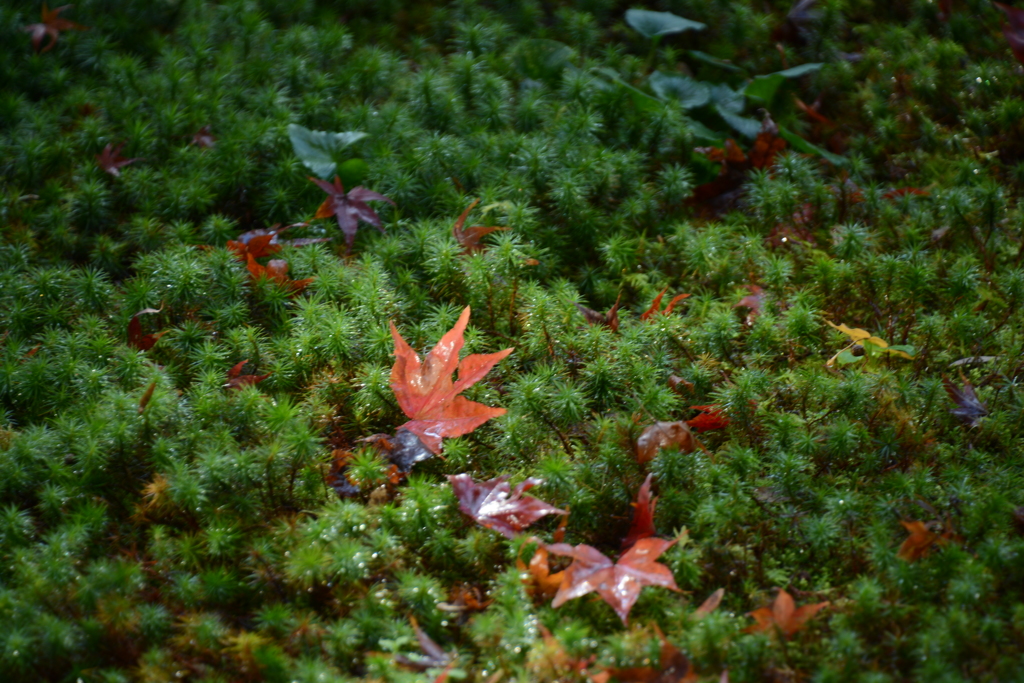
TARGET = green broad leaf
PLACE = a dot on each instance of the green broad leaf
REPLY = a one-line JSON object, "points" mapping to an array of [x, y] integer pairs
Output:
{"points": [[798, 71], [801, 145], [902, 350], [846, 357], [650, 24], [763, 88], [690, 93], [641, 100], [541, 59], [318, 150], [743, 125], [702, 132], [727, 99], [714, 61]]}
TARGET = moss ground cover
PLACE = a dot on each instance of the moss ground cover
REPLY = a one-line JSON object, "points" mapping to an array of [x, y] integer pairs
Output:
{"points": [[186, 488]]}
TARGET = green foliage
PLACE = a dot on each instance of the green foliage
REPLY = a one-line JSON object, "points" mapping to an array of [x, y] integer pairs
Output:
{"points": [[198, 536]]}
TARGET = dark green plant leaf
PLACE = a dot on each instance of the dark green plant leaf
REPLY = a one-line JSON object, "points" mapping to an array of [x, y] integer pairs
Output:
{"points": [[318, 149], [846, 357], [714, 61], [802, 145], [641, 100], [763, 88], [650, 24], [747, 127], [798, 71], [690, 93], [541, 59], [727, 99]]}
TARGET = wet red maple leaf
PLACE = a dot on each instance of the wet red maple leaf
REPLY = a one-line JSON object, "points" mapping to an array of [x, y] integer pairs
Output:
{"points": [[276, 270], [138, 340], [425, 390], [51, 25], [643, 515], [656, 305], [267, 241], [784, 615], [495, 505], [111, 161], [469, 238], [711, 417], [619, 584], [236, 380], [348, 208]]}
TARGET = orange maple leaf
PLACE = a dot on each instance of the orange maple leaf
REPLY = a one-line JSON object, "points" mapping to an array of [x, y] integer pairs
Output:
{"points": [[784, 615], [425, 390], [921, 539]]}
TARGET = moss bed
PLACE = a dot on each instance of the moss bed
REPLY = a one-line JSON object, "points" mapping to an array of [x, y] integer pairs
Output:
{"points": [[186, 493]]}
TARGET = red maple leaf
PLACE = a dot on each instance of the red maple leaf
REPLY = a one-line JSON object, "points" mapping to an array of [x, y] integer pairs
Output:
{"points": [[267, 241], [609, 319], [754, 301], [469, 238], [204, 138], [643, 515], [425, 390], [276, 270], [491, 503], [236, 380], [349, 208], [784, 615], [656, 305], [111, 161], [710, 417], [51, 25], [618, 584], [138, 340], [1014, 31]]}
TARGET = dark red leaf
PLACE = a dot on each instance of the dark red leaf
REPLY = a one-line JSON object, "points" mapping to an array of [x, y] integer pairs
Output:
{"points": [[661, 435], [433, 657], [711, 417], [491, 504], [111, 161], [618, 584], [236, 380], [469, 238], [969, 408], [609, 319], [138, 340], [655, 308], [52, 24], [754, 301], [204, 138], [349, 208], [643, 515]]}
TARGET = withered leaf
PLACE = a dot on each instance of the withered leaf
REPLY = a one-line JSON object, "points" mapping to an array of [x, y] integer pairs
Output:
{"points": [[51, 26], [425, 390], [236, 380], [276, 270], [643, 515], [348, 208], [969, 407], [656, 305], [661, 435], [495, 505], [711, 417], [111, 161], [138, 340], [710, 605], [609, 319], [469, 238], [144, 401], [783, 615], [618, 584]]}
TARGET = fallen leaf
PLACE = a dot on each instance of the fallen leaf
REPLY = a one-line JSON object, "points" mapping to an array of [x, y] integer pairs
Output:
{"points": [[433, 657], [1014, 31], [661, 435], [469, 238], [918, 543], [51, 25], [204, 138], [138, 340], [111, 161], [618, 584], [709, 605], [767, 145], [656, 305], [783, 615], [425, 390], [548, 660], [711, 417], [753, 301], [349, 208], [267, 241], [276, 270], [494, 505], [969, 407], [609, 319], [236, 380], [144, 401], [541, 582], [643, 515]]}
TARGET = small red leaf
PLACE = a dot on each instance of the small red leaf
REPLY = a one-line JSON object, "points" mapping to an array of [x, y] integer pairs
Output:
{"points": [[111, 161], [711, 417], [492, 504], [643, 515]]}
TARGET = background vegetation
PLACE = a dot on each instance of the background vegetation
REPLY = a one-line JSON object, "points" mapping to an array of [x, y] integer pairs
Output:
{"points": [[197, 535]]}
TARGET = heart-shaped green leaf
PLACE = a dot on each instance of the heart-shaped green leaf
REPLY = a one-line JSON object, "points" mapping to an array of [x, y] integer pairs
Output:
{"points": [[650, 24], [690, 93], [318, 149]]}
